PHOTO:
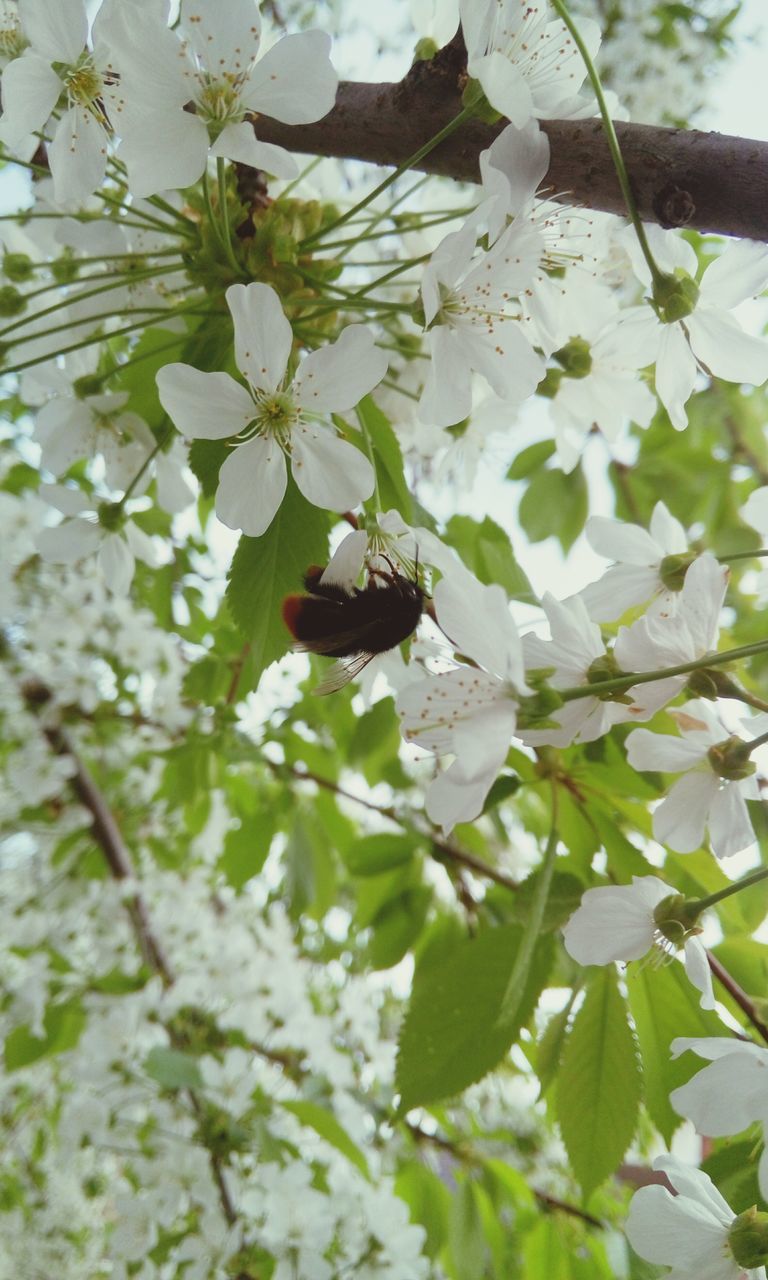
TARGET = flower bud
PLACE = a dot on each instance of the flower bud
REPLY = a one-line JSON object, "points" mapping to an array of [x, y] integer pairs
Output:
{"points": [[111, 515], [17, 267], [607, 668], [673, 569], [676, 918], [748, 1238], [89, 385], [12, 303], [675, 297], [730, 759], [575, 358]]}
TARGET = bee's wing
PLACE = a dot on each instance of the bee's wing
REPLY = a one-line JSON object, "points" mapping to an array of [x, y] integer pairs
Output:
{"points": [[342, 672]]}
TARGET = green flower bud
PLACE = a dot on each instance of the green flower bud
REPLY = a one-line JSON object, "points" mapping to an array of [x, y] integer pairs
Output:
{"points": [[64, 270], [550, 383], [606, 668], [474, 99], [676, 918], [701, 685], [675, 296], [111, 515], [730, 759], [673, 569], [89, 385], [425, 50], [748, 1238], [12, 303], [17, 267], [575, 357]]}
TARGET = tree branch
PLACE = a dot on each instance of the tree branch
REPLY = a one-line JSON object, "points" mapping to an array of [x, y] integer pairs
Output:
{"points": [[709, 181]]}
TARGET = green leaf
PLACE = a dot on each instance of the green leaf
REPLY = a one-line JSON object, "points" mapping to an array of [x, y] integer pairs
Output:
{"points": [[598, 1089], [531, 459], [370, 855], [63, 1025], [733, 1169], [450, 1038], [486, 549], [387, 459], [264, 570], [429, 1201], [246, 848], [555, 505], [549, 1050], [327, 1126], [173, 1069], [206, 458], [397, 926], [664, 1004], [565, 894]]}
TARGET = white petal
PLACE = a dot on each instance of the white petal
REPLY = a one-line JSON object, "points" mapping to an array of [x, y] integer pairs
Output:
{"points": [[697, 1186], [239, 142], [478, 621], [662, 753], [344, 567], [615, 540], [699, 972], [58, 31], [522, 155], [70, 541], [450, 799], [252, 484], [31, 90], [204, 406], [69, 501], [505, 87], [739, 273], [730, 827], [329, 471], [225, 37], [263, 335], [701, 600], [615, 922], [116, 563], [675, 1230], [295, 82], [675, 374], [508, 363], [679, 820], [336, 377], [166, 159], [668, 532], [481, 740], [78, 156], [755, 510], [726, 1096], [447, 395], [620, 588], [725, 349]]}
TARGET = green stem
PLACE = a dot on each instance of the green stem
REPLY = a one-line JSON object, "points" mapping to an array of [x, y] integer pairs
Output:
{"points": [[518, 979], [761, 741], [226, 231], [657, 275], [700, 904], [407, 164], [117, 283], [741, 555], [619, 683], [115, 333], [165, 433]]}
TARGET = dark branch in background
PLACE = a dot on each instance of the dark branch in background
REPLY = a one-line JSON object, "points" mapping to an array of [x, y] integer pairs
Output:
{"points": [[708, 181], [117, 856], [738, 996]]}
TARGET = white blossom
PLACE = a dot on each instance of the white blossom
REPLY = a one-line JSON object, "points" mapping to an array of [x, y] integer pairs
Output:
{"points": [[81, 535], [274, 418], [468, 712], [702, 800], [687, 1231], [616, 923], [639, 555], [730, 1094]]}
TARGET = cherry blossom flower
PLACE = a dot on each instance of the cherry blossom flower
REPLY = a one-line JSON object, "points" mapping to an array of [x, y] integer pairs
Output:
{"points": [[706, 797], [511, 171], [274, 418], [82, 534], [526, 61], [639, 555], [694, 1232], [72, 427], [668, 638], [468, 712], [13, 41], [214, 63], [730, 1094], [472, 321], [618, 923], [571, 653], [58, 63], [706, 336]]}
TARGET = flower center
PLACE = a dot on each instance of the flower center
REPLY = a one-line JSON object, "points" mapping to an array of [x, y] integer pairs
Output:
{"points": [[218, 103], [83, 82], [12, 39], [276, 415]]}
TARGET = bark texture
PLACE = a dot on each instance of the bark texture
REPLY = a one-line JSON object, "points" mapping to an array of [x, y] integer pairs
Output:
{"points": [[680, 177]]}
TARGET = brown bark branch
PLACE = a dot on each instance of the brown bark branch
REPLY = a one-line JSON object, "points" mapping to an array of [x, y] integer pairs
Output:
{"points": [[681, 177]]}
